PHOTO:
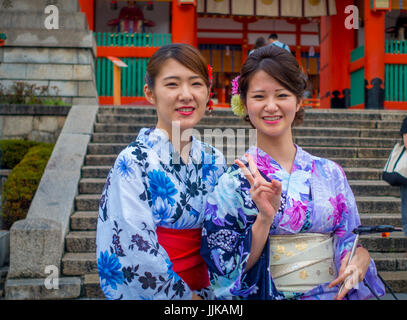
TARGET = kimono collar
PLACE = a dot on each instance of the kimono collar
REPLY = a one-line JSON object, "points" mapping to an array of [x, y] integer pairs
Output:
{"points": [[158, 140], [302, 161]]}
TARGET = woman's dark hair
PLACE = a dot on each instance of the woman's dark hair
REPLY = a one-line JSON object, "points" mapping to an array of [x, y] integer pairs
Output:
{"points": [[260, 42], [279, 64], [185, 54]]}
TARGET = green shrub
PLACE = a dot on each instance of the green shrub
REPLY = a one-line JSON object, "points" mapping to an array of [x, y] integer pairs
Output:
{"points": [[22, 183], [13, 151]]}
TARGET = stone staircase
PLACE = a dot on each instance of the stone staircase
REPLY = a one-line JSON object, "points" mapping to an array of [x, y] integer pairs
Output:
{"points": [[359, 141], [60, 59]]}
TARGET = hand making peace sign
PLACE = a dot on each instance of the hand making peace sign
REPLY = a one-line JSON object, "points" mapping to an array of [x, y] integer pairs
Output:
{"points": [[266, 195]]}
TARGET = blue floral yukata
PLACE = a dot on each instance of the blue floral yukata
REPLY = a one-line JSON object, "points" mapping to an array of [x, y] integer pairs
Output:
{"points": [[150, 186], [316, 198]]}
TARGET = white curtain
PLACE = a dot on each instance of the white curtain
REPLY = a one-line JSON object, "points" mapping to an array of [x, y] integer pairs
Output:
{"points": [[268, 8]]}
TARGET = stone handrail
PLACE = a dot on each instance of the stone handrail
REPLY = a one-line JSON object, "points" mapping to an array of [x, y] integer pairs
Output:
{"points": [[38, 241]]}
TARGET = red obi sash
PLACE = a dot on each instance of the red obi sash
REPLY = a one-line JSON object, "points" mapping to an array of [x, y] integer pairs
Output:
{"points": [[183, 247]]}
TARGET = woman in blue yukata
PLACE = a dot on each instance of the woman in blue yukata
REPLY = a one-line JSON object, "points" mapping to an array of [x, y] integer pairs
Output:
{"points": [[152, 207], [279, 223]]}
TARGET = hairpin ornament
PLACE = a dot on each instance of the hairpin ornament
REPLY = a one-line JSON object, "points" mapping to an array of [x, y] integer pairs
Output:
{"points": [[236, 102], [210, 75]]}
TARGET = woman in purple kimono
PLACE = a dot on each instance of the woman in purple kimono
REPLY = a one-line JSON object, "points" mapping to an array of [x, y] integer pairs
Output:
{"points": [[279, 225]]}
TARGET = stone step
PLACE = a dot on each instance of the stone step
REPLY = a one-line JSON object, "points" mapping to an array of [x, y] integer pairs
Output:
{"points": [[348, 142], [372, 188], [87, 202], [34, 6], [396, 280], [219, 126], [47, 55], [95, 171], [91, 286], [36, 20], [65, 73], [108, 160], [390, 261], [87, 220], [34, 289], [378, 204], [48, 38], [80, 241], [84, 220], [360, 163], [238, 138], [396, 242], [369, 219], [351, 173], [82, 264], [145, 118], [77, 264], [363, 173], [324, 115], [324, 152], [359, 188], [85, 241]]}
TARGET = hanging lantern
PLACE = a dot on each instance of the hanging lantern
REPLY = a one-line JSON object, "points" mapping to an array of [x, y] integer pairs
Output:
{"points": [[113, 5], [150, 5], [314, 2]]}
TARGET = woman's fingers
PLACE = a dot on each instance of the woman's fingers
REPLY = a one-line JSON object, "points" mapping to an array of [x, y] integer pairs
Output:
{"points": [[246, 172], [253, 167]]}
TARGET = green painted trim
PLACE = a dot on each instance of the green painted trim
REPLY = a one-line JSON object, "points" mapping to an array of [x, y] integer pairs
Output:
{"points": [[357, 54], [357, 87]]}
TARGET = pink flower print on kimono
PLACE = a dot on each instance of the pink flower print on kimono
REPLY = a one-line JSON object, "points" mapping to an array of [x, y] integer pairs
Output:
{"points": [[297, 216], [339, 205], [263, 163]]}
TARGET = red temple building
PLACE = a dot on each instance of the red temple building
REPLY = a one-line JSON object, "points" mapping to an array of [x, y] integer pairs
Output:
{"points": [[353, 51]]}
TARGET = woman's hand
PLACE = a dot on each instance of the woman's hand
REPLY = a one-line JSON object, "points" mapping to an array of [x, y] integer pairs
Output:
{"points": [[356, 271], [195, 296], [266, 195]]}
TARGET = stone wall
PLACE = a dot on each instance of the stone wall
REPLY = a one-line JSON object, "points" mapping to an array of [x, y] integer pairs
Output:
{"points": [[62, 58], [32, 122]]}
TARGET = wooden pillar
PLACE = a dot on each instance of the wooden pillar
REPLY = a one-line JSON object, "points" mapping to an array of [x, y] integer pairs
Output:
{"points": [[337, 42], [117, 85], [88, 7], [298, 42], [245, 45], [374, 56], [184, 24]]}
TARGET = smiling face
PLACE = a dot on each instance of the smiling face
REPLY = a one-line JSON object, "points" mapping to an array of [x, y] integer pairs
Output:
{"points": [[271, 107], [179, 94]]}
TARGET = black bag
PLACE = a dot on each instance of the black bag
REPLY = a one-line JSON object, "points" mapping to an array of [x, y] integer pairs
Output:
{"points": [[395, 170]]}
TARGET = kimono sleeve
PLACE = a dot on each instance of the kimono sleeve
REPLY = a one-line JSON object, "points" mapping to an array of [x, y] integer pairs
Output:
{"points": [[348, 219], [226, 240], [131, 263]]}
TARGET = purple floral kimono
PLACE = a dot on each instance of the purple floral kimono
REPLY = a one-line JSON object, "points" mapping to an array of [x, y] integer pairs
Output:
{"points": [[316, 198]]}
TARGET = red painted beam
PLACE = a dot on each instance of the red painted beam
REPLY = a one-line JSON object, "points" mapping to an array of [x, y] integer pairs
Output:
{"points": [[128, 52], [356, 65], [220, 41], [393, 105], [390, 58]]}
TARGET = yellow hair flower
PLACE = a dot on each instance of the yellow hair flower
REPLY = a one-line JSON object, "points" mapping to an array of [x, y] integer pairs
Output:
{"points": [[237, 105]]}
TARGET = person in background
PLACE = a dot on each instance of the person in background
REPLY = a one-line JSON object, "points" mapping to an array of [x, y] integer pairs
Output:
{"points": [[260, 42], [273, 39], [403, 188]]}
